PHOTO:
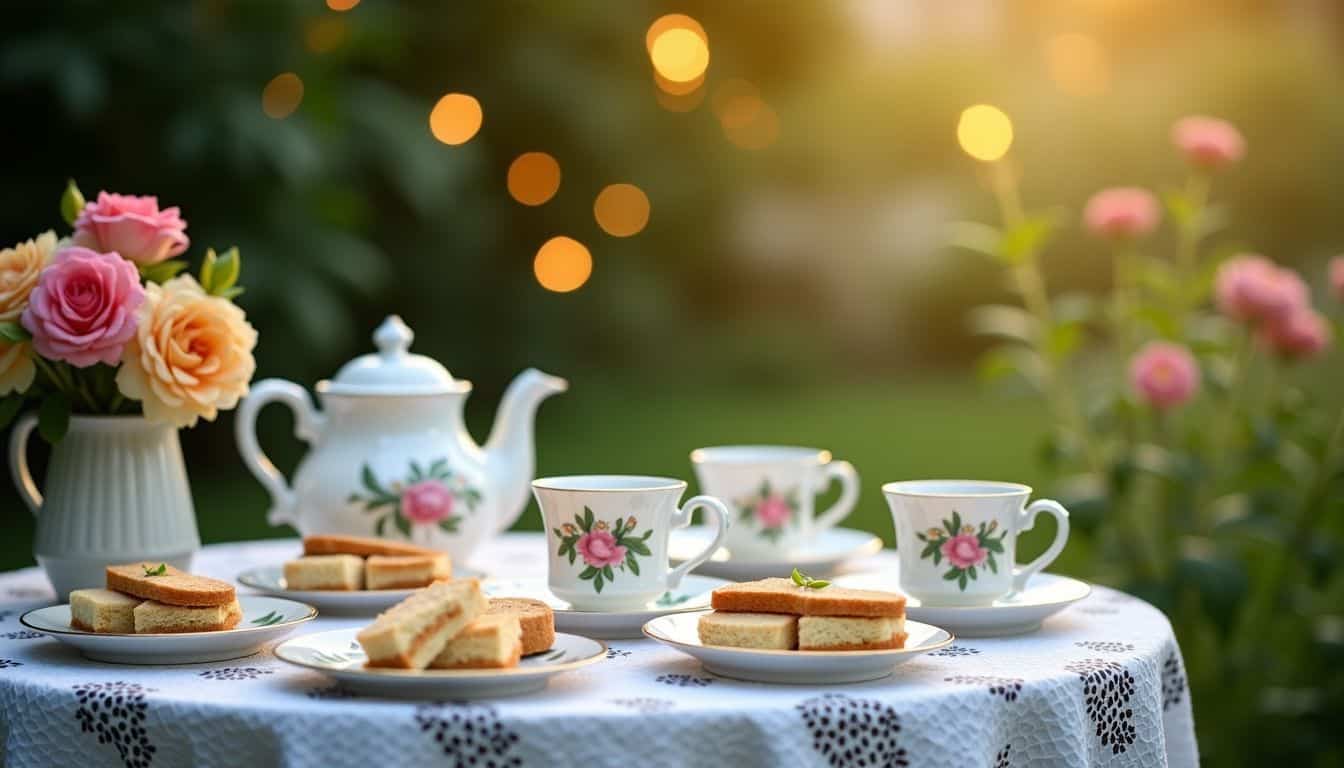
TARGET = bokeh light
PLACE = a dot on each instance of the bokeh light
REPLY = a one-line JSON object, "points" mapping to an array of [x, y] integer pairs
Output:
{"points": [[1078, 64], [669, 22], [563, 264], [342, 5], [621, 210], [455, 119], [751, 124], [324, 33], [678, 89], [985, 132], [282, 95], [534, 178], [735, 100], [680, 55]]}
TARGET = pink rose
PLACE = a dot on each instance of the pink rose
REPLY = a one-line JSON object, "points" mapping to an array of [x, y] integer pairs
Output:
{"points": [[773, 512], [964, 550], [599, 548], [133, 227], [1253, 288], [1303, 334], [1208, 142], [83, 308], [1164, 374], [1121, 213], [1337, 277], [428, 502]]}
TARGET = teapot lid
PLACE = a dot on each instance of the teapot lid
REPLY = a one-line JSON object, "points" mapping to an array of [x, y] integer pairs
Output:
{"points": [[393, 370]]}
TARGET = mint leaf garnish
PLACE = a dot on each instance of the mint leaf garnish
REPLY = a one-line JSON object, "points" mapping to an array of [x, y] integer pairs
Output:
{"points": [[807, 582], [160, 571]]}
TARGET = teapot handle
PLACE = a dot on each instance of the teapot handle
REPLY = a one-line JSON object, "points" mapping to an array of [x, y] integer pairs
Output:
{"points": [[308, 425]]}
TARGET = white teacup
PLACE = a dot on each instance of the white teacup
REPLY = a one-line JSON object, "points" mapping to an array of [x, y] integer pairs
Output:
{"points": [[772, 491], [606, 536], [957, 539]]}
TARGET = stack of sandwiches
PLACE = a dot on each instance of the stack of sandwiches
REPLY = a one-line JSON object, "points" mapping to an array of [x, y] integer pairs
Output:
{"points": [[778, 614], [146, 598], [453, 625], [348, 563]]}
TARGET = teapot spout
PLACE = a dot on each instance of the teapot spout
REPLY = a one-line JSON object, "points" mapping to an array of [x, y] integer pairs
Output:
{"points": [[510, 452]]}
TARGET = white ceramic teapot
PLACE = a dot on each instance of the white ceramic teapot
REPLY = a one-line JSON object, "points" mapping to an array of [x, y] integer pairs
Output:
{"points": [[390, 456]]}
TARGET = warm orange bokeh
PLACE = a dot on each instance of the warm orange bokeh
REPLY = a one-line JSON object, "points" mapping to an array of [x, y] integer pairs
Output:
{"points": [[534, 178], [563, 264], [282, 95], [680, 55], [455, 119], [621, 210], [342, 5], [324, 33], [672, 21], [751, 125]]}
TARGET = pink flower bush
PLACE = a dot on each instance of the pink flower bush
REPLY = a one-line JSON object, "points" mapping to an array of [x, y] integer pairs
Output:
{"points": [[599, 548], [1253, 288], [1303, 334], [964, 550], [1337, 277], [1208, 142], [1164, 374], [773, 512], [1121, 213], [131, 226], [427, 502], [83, 308]]}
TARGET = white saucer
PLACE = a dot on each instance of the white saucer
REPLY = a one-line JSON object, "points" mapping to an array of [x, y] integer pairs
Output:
{"points": [[832, 549], [337, 655], [794, 667], [264, 619], [1046, 594], [270, 579], [691, 595]]}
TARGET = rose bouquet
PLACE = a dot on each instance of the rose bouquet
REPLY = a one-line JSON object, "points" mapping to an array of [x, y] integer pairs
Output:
{"points": [[105, 321]]}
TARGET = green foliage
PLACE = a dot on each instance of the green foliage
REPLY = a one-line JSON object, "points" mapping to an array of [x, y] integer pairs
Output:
{"points": [[72, 202]]}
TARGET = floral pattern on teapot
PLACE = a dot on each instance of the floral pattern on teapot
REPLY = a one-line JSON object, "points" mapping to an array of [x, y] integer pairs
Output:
{"points": [[428, 496]]}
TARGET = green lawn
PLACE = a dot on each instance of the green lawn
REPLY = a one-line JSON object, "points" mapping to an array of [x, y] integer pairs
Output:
{"points": [[889, 430]]}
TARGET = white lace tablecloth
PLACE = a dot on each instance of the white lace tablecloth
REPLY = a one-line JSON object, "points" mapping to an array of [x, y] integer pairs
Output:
{"points": [[1102, 683]]}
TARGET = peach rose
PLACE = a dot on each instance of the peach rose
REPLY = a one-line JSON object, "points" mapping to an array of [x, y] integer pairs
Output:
{"points": [[16, 367], [191, 354], [19, 268]]}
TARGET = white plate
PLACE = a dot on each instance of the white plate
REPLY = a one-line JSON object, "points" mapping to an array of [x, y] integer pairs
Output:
{"points": [[794, 667], [337, 655], [1046, 594], [270, 579], [264, 619], [832, 549], [691, 595]]}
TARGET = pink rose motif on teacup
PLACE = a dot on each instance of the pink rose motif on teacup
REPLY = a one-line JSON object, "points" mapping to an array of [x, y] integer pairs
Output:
{"points": [[966, 548], [83, 308], [599, 548], [773, 512], [132, 226], [606, 548], [770, 509], [427, 502]]}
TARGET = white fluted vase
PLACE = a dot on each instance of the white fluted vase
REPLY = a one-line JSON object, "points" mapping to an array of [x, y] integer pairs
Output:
{"points": [[116, 491]]}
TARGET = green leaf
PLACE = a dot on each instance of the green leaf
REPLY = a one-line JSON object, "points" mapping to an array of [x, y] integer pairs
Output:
{"points": [[637, 546], [971, 571], [161, 570], [572, 555], [232, 293], [1005, 321], [163, 271], [928, 550], [219, 273], [976, 237], [631, 563], [606, 571], [921, 537], [1063, 341], [588, 573], [797, 577], [14, 333], [961, 581], [993, 566], [818, 584], [1009, 359], [1027, 238], [53, 417], [448, 525], [951, 574], [956, 522], [72, 202], [370, 481], [937, 556], [646, 535], [558, 535], [618, 529], [597, 582], [403, 524], [380, 528], [587, 519], [9, 408]]}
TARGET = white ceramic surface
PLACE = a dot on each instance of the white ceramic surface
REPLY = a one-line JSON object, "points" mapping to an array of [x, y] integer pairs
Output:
{"points": [[821, 556], [957, 539], [116, 492], [1045, 595], [607, 537], [794, 667], [270, 579], [265, 619], [771, 491], [337, 655], [390, 455], [692, 594]]}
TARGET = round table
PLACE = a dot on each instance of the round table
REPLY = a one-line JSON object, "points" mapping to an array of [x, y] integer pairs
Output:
{"points": [[1102, 683]]}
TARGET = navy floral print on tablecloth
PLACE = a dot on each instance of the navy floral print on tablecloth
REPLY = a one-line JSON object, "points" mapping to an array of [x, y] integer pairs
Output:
{"points": [[7, 663], [22, 634], [331, 693], [235, 673], [850, 732], [645, 705], [1173, 681], [613, 653], [469, 734], [1105, 646], [956, 650], [1107, 688], [1004, 757], [1008, 688], [4, 615], [115, 712], [684, 681]]}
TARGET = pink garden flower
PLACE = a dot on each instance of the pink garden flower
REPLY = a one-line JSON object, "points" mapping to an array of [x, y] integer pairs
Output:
{"points": [[964, 550], [131, 226], [1303, 334], [83, 308], [1208, 142], [427, 502], [1253, 288], [1164, 374], [1121, 213], [599, 549], [773, 512], [1337, 277]]}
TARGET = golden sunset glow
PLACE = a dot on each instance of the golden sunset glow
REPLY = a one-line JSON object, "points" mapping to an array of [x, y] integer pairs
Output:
{"points": [[282, 95], [1078, 64], [562, 265], [455, 119], [985, 132]]}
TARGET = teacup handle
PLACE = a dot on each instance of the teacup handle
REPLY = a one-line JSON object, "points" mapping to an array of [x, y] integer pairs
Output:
{"points": [[716, 511], [849, 495], [1026, 519]]}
